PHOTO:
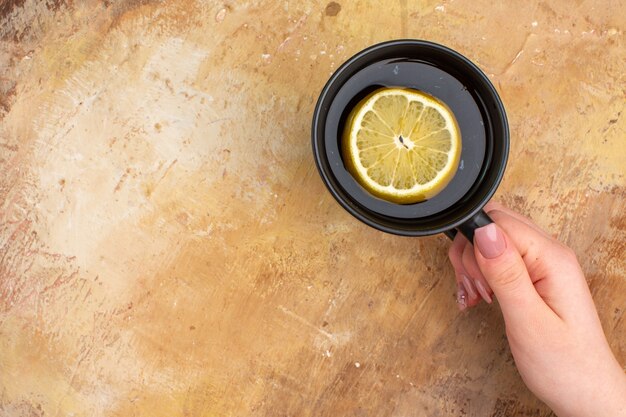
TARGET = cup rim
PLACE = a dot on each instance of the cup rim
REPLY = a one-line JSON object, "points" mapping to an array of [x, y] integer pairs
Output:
{"points": [[318, 141]]}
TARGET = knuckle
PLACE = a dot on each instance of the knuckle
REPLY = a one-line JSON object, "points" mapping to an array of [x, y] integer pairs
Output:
{"points": [[509, 276], [494, 206], [571, 254], [497, 214], [568, 254], [496, 210]]}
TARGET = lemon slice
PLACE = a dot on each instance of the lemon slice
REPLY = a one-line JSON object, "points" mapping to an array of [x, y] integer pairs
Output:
{"points": [[401, 145]]}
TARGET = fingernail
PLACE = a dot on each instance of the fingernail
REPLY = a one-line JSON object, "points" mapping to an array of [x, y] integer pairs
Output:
{"points": [[483, 291], [469, 286], [490, 241], [461, 296]]}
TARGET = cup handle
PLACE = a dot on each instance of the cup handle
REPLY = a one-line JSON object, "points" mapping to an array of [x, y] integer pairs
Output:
{"points": [[480, 219], [451, 233]]}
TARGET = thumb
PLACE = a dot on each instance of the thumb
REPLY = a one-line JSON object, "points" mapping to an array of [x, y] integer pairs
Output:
{"points": [[504, 269]]}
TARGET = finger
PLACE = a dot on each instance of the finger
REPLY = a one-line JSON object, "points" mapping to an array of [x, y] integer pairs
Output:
{"points": [[504, 269], [454, 254], [455, 251], [467, 296], [473, 297], [470, 265], [535, 248], [552, 267], [492, 206]]}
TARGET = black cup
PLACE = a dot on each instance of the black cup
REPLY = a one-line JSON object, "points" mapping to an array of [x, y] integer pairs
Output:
{"points": [[456, 81]]}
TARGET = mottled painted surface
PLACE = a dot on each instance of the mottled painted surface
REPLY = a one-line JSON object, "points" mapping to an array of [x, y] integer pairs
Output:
{"points": [[168, 249]]}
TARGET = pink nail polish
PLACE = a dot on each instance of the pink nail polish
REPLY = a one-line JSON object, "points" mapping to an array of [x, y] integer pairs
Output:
{"points": [[461, 296], [483, 291], [469, 286], [490, 241]]}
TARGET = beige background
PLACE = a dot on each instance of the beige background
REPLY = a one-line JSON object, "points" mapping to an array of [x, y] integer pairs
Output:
{"points": [[168, 249]]}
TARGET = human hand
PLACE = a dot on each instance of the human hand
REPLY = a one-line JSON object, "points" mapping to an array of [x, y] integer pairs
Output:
{"points": [[552, 325]]}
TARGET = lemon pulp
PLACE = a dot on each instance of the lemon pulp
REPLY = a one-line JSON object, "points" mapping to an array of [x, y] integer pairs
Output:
{"points": [[401, 145]]}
